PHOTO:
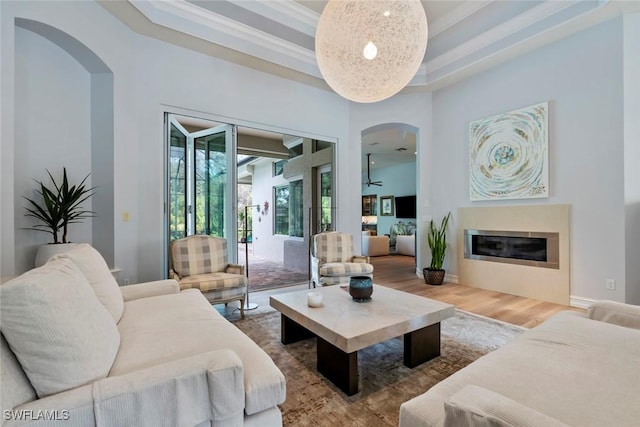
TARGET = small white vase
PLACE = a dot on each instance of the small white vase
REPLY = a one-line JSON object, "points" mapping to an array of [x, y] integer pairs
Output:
{"points": [[47, 251]]}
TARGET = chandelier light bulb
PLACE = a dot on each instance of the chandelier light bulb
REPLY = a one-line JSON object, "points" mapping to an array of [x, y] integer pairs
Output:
{"points": [[370, 51], [399, 28]]}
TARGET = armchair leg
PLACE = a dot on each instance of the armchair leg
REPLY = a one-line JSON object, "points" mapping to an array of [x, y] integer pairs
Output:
{"points": [[242, 308]]}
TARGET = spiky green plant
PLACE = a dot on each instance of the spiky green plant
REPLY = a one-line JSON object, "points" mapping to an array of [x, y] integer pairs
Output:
{"points": [[437, 239], [61, 206]]}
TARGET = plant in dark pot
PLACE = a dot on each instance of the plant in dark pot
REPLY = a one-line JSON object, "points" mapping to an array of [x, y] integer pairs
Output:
{"points": [[437, 239], [60, 205]]}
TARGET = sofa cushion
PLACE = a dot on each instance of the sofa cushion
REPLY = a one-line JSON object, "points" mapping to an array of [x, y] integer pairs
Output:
{"points": [[16, 388], [60, 333], [170, 327], [345, 268], [556, 368], [479, 407], [96, 270]]}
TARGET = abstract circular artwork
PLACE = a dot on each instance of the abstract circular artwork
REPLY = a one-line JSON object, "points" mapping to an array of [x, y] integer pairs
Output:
{"points": [[509, 155]]}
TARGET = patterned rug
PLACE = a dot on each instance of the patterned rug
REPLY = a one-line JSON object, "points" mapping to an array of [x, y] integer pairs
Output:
{"points": [[385, 383]]}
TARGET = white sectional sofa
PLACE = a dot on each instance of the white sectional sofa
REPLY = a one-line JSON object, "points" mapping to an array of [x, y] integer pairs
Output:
{"points": [[573, 369], [77, 350]]}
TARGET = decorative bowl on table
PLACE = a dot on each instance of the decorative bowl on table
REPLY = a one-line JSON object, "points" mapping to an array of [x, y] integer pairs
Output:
{"points": [[360, 288]]}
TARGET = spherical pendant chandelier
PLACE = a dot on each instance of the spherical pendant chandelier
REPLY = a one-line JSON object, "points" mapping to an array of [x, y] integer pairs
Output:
{"points": [[368, 50]]}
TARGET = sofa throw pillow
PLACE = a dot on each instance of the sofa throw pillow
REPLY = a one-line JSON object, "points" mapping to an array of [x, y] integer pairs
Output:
{"points": [[60, 333], [96, 270]]}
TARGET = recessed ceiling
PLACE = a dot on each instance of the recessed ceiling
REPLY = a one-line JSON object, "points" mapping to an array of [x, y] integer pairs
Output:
{"points": [[277, 36]]}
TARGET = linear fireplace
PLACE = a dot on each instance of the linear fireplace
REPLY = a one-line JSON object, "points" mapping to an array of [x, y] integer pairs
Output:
{"points": [[536, 249]]}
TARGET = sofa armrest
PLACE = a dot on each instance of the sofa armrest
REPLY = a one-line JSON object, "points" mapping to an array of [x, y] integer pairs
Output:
{"points": [[477, 406], [149, 289], [235, 269], [72, 408], [207, 386], [360, 259], [615, 312]]}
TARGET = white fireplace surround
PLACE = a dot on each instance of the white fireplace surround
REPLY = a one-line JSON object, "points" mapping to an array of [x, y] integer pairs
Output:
{"points": [[531, 281]]}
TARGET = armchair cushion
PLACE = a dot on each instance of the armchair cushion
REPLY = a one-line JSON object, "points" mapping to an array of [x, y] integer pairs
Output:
{"points": [[345, 269], [95, 269], [214, 281], [333, 247], [615, 312], [61, 334], [198, 255]]}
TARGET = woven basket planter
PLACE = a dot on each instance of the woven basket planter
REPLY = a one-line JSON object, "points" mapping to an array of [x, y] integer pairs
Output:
{"points": [[433, 277]]}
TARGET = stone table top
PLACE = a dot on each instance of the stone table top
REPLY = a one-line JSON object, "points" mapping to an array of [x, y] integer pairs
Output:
{"points": [[352, 326]]}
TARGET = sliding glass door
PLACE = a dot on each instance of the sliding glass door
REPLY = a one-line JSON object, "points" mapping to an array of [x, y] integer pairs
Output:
{"points": [[202, 178]]}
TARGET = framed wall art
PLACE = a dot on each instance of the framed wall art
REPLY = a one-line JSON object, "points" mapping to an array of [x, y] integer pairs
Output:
{"points": [[386, 206], [509, 155]]}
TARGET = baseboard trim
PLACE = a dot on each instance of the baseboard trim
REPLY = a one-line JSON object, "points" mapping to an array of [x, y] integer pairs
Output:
{"points": [[451, 278], [580, 302]]}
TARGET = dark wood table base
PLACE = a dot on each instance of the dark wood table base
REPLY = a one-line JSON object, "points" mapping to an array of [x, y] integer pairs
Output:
{"points": [[342, 368]]}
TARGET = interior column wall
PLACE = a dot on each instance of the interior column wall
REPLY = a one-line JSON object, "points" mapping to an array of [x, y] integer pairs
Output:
{"points": [[632, 155]]}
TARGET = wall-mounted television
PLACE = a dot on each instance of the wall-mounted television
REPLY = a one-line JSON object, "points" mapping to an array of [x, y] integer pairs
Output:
{"points": [[406, 207]]}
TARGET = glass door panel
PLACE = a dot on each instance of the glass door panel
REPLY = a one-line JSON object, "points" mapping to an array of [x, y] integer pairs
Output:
{"points": [[214, 179], [177, 169], [325, 202], [202, 177], [210, 183]]}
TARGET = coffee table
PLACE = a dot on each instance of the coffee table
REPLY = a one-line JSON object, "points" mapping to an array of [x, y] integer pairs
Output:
{"points": [[344, 326]]}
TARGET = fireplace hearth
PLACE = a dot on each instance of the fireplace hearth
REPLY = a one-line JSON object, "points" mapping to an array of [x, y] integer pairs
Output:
{"points": [[535, 249]]}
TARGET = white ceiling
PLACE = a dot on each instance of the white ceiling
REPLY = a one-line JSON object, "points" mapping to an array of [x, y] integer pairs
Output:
{"points": [[277, 37]]}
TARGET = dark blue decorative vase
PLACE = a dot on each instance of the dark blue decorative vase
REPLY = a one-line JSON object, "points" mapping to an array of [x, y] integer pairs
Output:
{"points": [[360, 288]]}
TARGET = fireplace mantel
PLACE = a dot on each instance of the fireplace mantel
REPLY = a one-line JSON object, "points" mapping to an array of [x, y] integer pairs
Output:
{"points": [[531, 281]]}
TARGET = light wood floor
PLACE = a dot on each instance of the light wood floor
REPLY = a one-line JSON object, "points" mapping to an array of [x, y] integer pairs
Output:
{"points": [[398, 272]]}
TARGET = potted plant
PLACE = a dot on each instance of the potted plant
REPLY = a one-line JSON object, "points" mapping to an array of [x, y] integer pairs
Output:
{"points": [[59, 207], [437, 239]]}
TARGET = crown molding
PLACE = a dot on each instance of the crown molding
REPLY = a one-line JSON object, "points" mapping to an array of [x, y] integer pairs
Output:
{"points": [[520, 22], [496, 45], [290, 12], [198, 22], [456, 15]]}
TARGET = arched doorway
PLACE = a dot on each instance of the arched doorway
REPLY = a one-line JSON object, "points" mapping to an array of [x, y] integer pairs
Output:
{"points": [[389, 192]]}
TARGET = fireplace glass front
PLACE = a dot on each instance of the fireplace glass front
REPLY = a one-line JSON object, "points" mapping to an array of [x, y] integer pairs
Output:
{"points": [[513, 247]]}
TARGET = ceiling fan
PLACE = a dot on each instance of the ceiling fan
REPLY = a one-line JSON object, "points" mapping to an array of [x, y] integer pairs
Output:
{"points": [[369, 182]]}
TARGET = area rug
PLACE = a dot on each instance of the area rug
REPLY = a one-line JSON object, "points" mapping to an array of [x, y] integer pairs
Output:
{"points": [[385, 383]]}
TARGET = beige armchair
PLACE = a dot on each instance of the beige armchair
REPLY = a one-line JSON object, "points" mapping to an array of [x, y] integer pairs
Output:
{"points": [[333, 261], [200, 262]]}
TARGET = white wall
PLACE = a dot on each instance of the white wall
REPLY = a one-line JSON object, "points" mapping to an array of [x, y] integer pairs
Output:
{"points": [[581, 78], [52, 131], [632, 155], [265, 244], [397, 180], [151, 77]]}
